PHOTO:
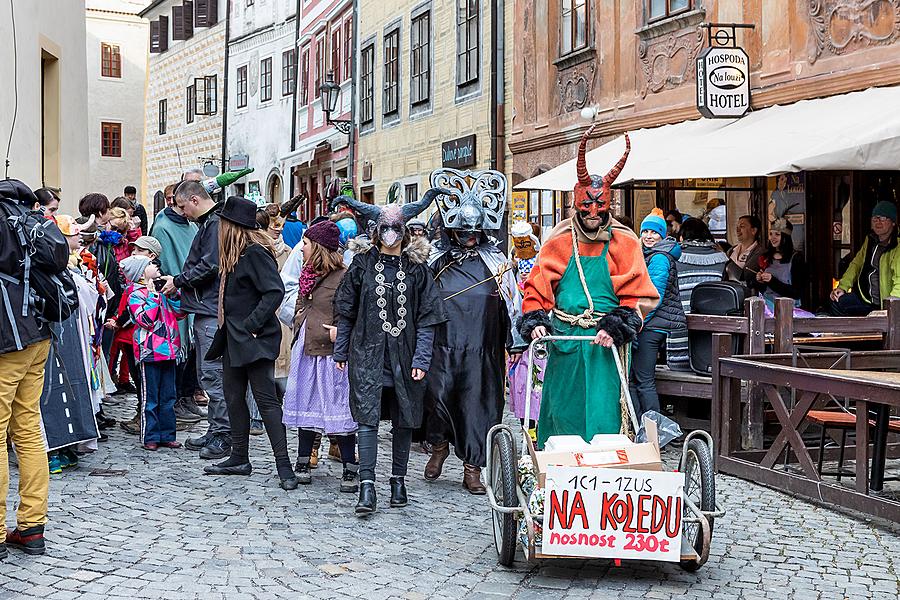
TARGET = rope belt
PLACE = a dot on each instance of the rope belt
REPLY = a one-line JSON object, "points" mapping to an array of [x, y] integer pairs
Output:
{"points": [[589, 318]]}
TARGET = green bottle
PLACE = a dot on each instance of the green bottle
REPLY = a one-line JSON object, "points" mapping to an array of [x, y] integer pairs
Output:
{"points": [[220, 182]]}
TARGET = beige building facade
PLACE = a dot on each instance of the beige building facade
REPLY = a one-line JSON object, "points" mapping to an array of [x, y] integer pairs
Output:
{"points": [[431, 91], [44, 100], [184, 103]]}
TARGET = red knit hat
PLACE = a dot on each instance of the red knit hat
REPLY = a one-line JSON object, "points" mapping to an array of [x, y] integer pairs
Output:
{"points": [[326, 234]]}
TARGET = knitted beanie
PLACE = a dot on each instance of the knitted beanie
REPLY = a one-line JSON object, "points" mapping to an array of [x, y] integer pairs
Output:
{"points": [[885, 209], [133, 267], [326, 234], [655, 223]]}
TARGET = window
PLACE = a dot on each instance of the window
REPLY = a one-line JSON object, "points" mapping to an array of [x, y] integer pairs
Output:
{"points": [[666, 8], [183, 21], [159, 35], [265, 79], [367, 84], [163, 115], [110, 139], [391, 99], [288, 72], [348, 49], [320, 67], [110, 60], [336, 57], [249, 2], [242, 86], [573, 24], [467, 52], [304, 78], [206, 13], [411, 192], [205, 92], [420, 59], [190, 101]]}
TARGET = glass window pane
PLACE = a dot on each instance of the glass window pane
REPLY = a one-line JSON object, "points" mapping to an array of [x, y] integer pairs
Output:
{"points": [[676, 5], [580, 26], [566, 32], [657, 8]]}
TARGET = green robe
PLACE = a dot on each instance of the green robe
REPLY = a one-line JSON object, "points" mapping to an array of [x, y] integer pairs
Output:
{"points": [[581, 393]]}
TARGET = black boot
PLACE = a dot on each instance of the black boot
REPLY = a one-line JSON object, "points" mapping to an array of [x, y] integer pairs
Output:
{"points": [[398, 492], [367, 500]]}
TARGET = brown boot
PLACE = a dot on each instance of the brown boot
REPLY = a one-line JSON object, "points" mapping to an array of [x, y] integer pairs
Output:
{"points": [[334, 450], [472, 480], [314, 457], [439, 453]]}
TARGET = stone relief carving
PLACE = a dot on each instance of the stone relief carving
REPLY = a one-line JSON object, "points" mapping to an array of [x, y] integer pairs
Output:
{"points": [[842, 26], [576, 86], [668, 62]]}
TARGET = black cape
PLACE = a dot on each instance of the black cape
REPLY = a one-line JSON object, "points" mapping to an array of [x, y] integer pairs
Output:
{"points": [[355, 301], [465, 386]]}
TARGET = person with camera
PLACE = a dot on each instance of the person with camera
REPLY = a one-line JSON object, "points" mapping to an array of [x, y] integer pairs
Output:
{"points": [[30, 246]]}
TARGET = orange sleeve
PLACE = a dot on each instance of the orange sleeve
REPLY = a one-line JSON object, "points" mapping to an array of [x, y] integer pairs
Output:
{"points": [[539, 288], [630, 278]]}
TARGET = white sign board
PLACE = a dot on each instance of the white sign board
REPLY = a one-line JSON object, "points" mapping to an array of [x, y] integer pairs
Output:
{"points": [[613, 513], [723, 83]]}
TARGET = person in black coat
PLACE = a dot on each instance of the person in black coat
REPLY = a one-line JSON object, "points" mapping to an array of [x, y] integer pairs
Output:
{"points": [[387, 307], [249, 337]]}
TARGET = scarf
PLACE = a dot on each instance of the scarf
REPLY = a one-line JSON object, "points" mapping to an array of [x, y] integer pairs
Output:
{"points": [[308, 280]]}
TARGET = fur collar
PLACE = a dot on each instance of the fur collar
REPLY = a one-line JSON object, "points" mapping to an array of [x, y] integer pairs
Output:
{"points": [[417, 251]]}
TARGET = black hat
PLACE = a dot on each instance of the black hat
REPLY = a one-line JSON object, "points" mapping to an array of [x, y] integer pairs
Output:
{"points": [[240, 211]]}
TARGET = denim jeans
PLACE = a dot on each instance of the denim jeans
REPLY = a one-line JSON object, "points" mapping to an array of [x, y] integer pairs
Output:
{"points": [[851, 305], [159, 395], [643, 370], [209, 373]]}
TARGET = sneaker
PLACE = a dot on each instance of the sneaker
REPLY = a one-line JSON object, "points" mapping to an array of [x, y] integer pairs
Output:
{"points": [[151, 446], [218, 447], [256, 427], [30, 540], [55, 464], [201, 398], [172, 445], [198, 443], [350, 479], [132, 427], [125, 388], [191, 405], [71, 458], [301, 469], [183, 415]]}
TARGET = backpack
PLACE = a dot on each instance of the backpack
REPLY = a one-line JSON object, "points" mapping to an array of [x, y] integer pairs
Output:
{"points": [[49, 287]]}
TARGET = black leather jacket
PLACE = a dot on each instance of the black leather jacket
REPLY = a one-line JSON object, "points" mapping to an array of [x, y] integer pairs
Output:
{"points": [[199, 278]]}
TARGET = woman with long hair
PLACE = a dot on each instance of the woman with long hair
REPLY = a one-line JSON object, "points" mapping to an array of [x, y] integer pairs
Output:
{"points": [[317, 400], [249, 336], [743, 258], [782, 270]]}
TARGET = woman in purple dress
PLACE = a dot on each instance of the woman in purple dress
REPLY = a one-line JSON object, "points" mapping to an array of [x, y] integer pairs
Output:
{"points": [[317, 396]]}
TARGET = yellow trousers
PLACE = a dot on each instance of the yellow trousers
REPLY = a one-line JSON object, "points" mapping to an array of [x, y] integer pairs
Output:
{"points": [[21, 384]]}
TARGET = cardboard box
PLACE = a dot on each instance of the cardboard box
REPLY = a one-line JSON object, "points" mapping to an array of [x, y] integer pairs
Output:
{"points": [[644, 457]]}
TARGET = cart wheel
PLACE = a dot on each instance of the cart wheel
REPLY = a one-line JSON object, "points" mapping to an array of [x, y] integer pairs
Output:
{"points": [[504, 481], [700, 487]]}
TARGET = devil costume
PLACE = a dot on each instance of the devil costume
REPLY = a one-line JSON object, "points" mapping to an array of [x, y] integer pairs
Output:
{"points": [[387, 308], [465, 391], [592, 275]]}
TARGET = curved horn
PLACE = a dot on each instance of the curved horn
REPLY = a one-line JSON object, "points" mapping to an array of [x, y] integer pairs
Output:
{"points": [[584, 178], [413, 209], [614, 172], [369, 212]]}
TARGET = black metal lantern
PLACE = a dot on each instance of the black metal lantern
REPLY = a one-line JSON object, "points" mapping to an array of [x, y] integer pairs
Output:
{"points": [[329, 97]]}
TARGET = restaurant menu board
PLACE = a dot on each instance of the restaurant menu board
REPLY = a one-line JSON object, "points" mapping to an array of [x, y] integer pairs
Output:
{"points": [[613, 513]]}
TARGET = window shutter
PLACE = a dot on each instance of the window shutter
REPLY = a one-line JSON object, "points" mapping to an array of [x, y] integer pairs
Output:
{"points": [[206, 13], [177, 23], [187, 12], [163, 33], [154, 37]]}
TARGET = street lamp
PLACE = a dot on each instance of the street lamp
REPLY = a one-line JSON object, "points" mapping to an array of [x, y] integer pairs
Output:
{"points": [[330, 94]]}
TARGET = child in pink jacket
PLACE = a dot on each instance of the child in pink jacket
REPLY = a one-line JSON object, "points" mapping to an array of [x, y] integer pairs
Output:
{"points": [[156, 345]]}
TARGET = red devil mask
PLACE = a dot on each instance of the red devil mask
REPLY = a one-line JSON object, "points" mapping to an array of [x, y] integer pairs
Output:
{"points": [[593, 193]]}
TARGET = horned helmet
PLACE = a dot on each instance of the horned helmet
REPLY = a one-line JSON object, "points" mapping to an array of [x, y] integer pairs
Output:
{"points": [[593, 194]]}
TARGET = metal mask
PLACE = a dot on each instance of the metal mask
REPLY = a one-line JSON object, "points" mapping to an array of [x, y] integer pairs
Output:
{"points": [[476, 200], [592, 192]]}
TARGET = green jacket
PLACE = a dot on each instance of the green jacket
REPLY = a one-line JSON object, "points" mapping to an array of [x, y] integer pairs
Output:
{"points": [[888, 272]]}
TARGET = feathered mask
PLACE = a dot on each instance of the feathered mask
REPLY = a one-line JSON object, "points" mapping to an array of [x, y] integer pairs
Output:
{"points": [[592, 192]]}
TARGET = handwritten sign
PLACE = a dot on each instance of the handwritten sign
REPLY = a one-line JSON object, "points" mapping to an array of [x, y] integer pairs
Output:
{"points": [[613, 513]]}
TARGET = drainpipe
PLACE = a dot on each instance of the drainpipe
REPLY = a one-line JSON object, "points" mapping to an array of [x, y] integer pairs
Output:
{"points": [[496, 83], [296, 80], [225, 94], [351, 153]]}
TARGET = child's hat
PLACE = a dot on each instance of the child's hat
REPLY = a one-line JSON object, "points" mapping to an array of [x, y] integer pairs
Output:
{"points": [[133, 267]]}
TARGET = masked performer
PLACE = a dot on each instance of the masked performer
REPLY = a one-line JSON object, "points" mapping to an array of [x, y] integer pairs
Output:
{"points": [[523, 256], [465, 391], [592, 276], [387, 308]]}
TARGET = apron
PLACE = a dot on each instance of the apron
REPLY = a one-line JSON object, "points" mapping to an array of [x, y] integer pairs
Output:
{"points": [[581, 393]]}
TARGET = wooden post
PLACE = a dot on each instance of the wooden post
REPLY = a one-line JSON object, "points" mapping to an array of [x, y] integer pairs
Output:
{"points": [[752, 430], [784, 326], [892, 334], [721, 348]]}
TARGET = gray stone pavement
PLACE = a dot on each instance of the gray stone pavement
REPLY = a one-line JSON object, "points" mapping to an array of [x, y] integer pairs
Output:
{"points": [[164, 530]]}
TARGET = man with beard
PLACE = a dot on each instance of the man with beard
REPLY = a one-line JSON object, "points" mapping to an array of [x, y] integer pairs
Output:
{"points": [[591, 274], [465, 386]]}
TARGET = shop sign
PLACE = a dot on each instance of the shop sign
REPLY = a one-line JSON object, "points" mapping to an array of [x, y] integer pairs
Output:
{"points": [[238, 162], [723, 83], [459, 153], [613, 513], [520, 205]]}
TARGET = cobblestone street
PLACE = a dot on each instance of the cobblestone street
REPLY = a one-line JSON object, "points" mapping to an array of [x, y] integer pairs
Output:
{"points": [[155, 527]]}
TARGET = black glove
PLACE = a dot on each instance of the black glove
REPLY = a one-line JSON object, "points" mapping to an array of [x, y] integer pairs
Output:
{"points": [[530, 321], [622, 324]]}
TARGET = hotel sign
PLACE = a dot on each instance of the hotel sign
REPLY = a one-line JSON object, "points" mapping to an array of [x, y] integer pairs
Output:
{"points": [[723, 83]]}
